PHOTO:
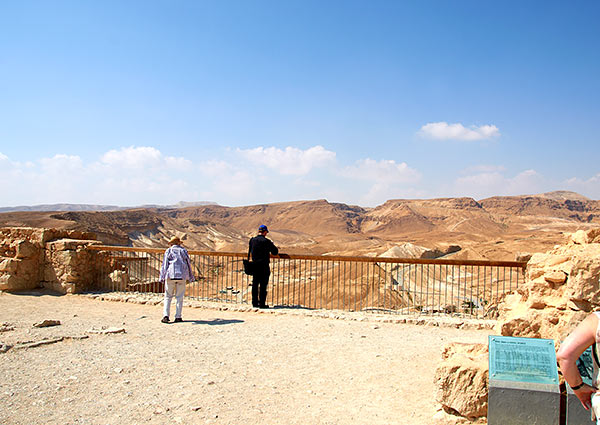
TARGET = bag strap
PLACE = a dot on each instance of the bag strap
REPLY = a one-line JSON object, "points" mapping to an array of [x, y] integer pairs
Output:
{"points": [[595, 355]]}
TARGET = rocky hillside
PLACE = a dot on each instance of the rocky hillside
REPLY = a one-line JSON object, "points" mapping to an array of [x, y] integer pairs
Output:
{"points": [[494, 228]]}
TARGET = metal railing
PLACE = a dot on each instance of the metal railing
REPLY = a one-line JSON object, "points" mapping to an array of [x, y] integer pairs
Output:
{"points": [[395, 285]]}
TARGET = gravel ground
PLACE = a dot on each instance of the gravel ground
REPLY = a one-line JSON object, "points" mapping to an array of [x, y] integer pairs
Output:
{"points": [[222, 365]]}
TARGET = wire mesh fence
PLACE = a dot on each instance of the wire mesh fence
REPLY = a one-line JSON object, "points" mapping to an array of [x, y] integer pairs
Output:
{"points": [[395, 285]]}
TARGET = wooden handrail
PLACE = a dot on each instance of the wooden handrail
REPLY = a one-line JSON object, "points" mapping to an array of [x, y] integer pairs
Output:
{"points": [[440, 261]]}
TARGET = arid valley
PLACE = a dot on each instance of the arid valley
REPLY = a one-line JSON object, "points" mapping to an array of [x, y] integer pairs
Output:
{"points": [[496, 228]]}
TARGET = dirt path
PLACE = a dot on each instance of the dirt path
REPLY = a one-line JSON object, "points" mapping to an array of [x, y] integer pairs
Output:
{"points": [[221, 367]]}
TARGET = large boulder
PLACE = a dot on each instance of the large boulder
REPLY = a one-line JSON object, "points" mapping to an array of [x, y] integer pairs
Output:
{"points": [[462, 380]]}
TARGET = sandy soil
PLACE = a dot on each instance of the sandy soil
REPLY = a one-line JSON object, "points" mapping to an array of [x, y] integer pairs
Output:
{"points": [[221, 367]]}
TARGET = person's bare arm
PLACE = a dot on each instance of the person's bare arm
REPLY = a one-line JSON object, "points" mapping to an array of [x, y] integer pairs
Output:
{"points": [[573, 346]]}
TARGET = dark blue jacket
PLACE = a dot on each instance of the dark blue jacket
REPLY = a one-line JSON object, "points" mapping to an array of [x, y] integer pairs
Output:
{"points": [[260, 248]]}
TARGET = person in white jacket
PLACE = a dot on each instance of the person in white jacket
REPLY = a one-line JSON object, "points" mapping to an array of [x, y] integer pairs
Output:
{"points": [[175, 272]]}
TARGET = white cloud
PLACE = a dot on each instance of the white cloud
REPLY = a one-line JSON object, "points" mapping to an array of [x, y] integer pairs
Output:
{"points": [[483, 169], [494, 183], [142, 157], [290, 161], [61, 164], [444, 131], [588, 187], [132, 157], [379, 181], [388, 171], [225, 182], [132, 176]]}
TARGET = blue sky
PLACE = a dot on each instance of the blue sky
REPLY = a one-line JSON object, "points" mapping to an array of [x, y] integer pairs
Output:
{"points": [[248, 102]]}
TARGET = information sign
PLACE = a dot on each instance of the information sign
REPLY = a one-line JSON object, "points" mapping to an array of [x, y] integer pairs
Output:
{"points": [[530, 360]]}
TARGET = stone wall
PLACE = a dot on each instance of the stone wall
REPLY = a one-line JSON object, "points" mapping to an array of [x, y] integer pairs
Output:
{"points": [[561, 288], [45, 258]]}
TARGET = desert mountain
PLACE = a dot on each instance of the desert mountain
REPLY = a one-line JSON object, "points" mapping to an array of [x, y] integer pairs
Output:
{"points": [[495, 228]]}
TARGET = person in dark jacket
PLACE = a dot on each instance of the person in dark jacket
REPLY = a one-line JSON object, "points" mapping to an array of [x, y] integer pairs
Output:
{"points": [[260, 249]]}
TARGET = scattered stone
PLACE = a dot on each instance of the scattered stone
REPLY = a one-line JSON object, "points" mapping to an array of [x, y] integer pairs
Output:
{"points": [[195, 408], [463, 366], [38, 343], [5, 327], [46, 323], [4, 348], [77, 337], [112, 330]]}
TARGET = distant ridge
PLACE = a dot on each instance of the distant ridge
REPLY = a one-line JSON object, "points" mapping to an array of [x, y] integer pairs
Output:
{"points": [[92, 207], [564, 195], [499, 227]]}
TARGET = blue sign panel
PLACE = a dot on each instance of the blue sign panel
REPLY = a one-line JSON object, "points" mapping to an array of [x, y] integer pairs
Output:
{"points": [[530, 360]]}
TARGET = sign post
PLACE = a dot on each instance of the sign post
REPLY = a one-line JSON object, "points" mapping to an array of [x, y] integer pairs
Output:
{"points": [[523, 382]]}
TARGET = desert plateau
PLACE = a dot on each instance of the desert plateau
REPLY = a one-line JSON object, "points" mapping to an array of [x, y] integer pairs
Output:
{"points": [[496, 228]]}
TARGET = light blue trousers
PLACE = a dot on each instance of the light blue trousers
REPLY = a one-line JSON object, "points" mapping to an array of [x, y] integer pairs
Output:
{"points": [[174, 287]]}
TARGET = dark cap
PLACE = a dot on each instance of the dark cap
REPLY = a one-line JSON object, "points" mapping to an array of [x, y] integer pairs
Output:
{"points": [[262, 228]]}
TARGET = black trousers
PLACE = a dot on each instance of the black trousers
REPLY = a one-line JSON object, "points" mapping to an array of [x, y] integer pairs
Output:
{"points": [[260, 280]]}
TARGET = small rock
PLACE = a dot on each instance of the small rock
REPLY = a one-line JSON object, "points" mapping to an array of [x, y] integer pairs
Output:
{"points": [[5, 327], [46, 323], [195, 408], [4, 348], [112, 330]]}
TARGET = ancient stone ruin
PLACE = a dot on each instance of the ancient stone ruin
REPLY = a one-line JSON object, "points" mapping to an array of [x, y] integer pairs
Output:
{"points": [[561, 288], [45, 258]]}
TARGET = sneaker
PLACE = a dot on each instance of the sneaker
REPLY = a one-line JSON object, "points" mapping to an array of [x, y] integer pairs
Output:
{"points": [[264, 306], [178, 320], [165, 319]]}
